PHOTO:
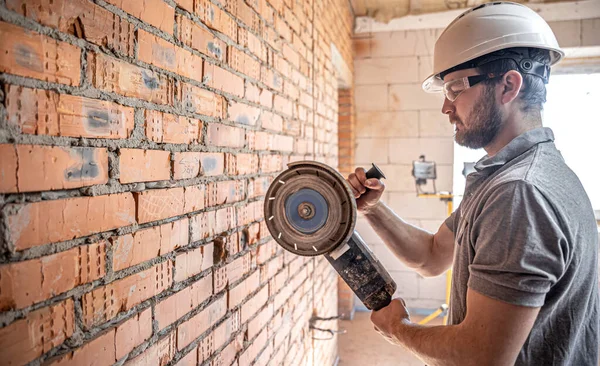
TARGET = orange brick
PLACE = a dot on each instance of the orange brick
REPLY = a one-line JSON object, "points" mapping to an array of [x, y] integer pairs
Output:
{"points": [[195, 326], [44, 112], [257, 47], [240, 292], [243, 113], [158, 52], [225, 136], [260, 140], [136, 165], [160, 353], [219, 193], [100, 350], [153, 12], [207, 224], [40, 168], [146, 244], [158, 204], [265, 251], [188, 360], [283, 29], [241, 164], [116, 76], [194, 198], [29, 54], [191, 263], [200, 39], [270, 163], [291, 55], [221, 79], [169, 128], [81, 18], [29, 282], [270, 269], [261, 320], [215, 18], [53, 221], [266, 98], [239, 268], [249, 213], [258, 186], [202, 101], [192, 164], [252, 93], [283, 105], [271, 121], [133, 332], [250, 354], [228, 354], [176, 306], [104, 303], [27, 339]]}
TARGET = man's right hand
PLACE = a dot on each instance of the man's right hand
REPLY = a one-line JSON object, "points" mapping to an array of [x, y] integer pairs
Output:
{"points": [[366, 191]]}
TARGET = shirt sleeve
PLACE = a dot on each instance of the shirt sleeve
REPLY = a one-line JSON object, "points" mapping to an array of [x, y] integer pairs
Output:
{"points": [[452, 220], [520, 250]]}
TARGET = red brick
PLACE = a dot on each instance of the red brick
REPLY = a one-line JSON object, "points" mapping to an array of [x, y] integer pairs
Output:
{"points": [[193, 164], [241, 164], [195, 326], [260, 140], [158, 204], [271, 121], [146, 244], [100, 350], [239, 268], [136, 165], [257, 47], [270, 269], [169, 128], [53, 221], [253, 233], [221, 79], [116, 76], [188, 360], [133, 332], [261, 320], [202, 101], [249, 213], [208, 224], [200, 39], [283, 143], [191, 263], [250, 354], [104, 303], [258, 186], [44, 112], [219, 193], [160, 53], [228, 354], [291, 55], [270, 163], [28, 282], [215, 18], [27, 339], [153, 12], [272, 79], [283, 29], [218, 338], [243, 63], [243, 113], [82, 19], [159, 354], [186, 4], [283, 105], [266, 98], [240, 292], [194, 198], [225, 136], [266, 251], [176, 306], [30, 54], [252, 93], [9, 165]]}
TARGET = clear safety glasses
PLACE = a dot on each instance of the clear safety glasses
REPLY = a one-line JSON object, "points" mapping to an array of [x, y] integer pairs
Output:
{"points": [[454, 88]]}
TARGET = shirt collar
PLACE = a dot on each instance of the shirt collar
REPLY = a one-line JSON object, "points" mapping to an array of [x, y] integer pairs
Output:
{"points": [[516, 147]]}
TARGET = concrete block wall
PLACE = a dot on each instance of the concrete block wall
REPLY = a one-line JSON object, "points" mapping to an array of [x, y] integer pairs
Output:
{"points": [[395, 123], [137, 141]]}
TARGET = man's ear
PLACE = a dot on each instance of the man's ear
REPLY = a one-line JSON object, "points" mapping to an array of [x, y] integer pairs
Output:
{"points": [[511, 84]]}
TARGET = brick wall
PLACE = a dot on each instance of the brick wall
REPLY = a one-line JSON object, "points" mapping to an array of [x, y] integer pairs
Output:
{"points": [[137, 141]]}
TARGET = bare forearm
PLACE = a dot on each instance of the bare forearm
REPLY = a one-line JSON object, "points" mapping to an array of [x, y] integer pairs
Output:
{"points": [[412, 245]]}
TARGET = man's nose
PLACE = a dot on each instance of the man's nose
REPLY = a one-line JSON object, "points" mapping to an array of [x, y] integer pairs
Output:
{"points": [[447, 107]]}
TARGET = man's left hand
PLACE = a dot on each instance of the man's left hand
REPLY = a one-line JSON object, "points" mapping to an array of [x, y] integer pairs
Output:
{"points": [[388, 319]]}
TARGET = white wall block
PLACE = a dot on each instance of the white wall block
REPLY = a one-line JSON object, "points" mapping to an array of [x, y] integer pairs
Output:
{"points": [[387, 124], [410, 97], [568, 33], [431, 225], [409, 206], [425, 67], [590, 32], [433, 287], [407, 284], [389, 70], [398, 178], [371, 150], [433, 123], [366, 232], [388, 259], [406, 150], [371, 98]]}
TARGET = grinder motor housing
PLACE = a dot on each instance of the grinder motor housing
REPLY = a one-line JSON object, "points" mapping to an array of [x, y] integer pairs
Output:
{"points": [[310, 210]]}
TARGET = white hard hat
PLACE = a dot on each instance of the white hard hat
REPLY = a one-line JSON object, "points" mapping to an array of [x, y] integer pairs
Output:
{"points": [[488, 28]]}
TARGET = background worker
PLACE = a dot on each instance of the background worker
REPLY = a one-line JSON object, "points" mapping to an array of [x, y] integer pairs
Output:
{"points": [[523, 244]]}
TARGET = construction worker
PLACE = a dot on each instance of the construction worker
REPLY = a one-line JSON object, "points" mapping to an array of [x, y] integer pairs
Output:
{"points": [[523, 244]]}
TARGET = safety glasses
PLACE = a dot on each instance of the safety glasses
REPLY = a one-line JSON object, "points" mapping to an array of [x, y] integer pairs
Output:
{"points": [[454, 88]]}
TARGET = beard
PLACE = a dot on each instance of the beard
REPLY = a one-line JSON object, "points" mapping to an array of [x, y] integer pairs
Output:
{"points": [[485, 122]]}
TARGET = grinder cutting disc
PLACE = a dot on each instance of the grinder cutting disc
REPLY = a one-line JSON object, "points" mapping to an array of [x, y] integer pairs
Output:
{"points": [[309, 209]]}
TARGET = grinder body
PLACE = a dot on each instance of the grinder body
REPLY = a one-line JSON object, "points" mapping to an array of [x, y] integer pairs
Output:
{"points": [[310, 210]]}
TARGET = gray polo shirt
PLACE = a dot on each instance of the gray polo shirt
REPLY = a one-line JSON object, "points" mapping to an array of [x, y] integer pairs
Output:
{"points": [[525, 234]]}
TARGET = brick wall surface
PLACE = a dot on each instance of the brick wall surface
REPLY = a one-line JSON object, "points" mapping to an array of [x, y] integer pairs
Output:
{"points": [[137, 142]]}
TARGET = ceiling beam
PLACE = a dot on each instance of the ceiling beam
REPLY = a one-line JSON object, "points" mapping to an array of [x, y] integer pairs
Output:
{"points": [[551, 12]]}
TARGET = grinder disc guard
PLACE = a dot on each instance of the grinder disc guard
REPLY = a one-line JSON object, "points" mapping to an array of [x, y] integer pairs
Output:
{"points": [[309, 209]]}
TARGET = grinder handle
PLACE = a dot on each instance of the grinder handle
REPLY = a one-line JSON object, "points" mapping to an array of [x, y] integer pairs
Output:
{"points": [[375, 172]]}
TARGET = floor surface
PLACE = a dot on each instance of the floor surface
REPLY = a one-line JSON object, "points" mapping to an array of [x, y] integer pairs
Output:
{"points": [[361, 345]]}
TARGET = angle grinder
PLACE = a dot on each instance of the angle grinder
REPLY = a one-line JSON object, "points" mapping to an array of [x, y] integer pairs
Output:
{"points": [[310, 210]]}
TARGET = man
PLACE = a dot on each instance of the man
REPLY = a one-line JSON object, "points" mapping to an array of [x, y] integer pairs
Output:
{"points": [[523, 243]]}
